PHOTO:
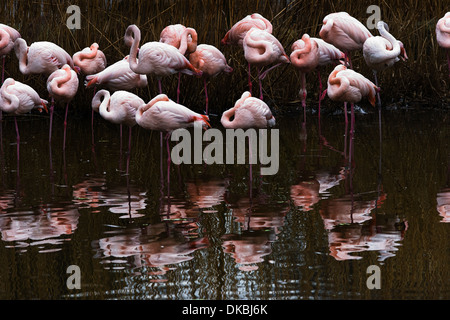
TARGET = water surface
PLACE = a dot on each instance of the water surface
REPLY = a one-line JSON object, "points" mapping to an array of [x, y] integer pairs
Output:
{"points": [[308, 232]]}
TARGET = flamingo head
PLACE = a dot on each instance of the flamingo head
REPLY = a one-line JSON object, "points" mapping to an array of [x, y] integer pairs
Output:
{"points": [[43, 105], [403, 54]]}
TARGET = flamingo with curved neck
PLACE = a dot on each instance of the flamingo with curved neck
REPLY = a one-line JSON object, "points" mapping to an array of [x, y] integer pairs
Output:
{"points": [[305, 57], [261, 49], [7, 37], [18, 98], [182, 38], [90, 60], [62, 85], [383, 51], [443, 35], [119, 108], [156, 58], [248, 112], [41, 57]]}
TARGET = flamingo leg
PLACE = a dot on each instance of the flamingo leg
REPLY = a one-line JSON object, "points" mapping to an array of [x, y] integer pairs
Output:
{"points": [[304, 96], [249, 79], [260, 84], [3, 69], [129, 150], [160, 85], [92, 121], [120, 147], [378, 93], [352, 133], [52, 108], [448, 61], [18, 144], [320, 93], [178, 87], [206, 95], [168, 164], [65, 126], [346, 130]]}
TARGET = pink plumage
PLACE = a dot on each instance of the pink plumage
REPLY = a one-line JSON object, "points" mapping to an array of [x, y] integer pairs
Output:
{"points": [[182, 38], [90, 60], [163, 114], [209, 60], [118, 76], [344, 31], [238, 31], [443, 31], [248, 112], [18, 98], [118, 108], [346, 85], [41, 57], [261, 48], [7, 37], [62, 84]]}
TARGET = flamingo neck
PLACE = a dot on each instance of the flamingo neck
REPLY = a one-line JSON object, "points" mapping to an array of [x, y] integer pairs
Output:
{"points": [[10, 102], [89, 55], [226, 122], [185, 46], [133, 36], [21, 50], [385, 34], [4, 38]]}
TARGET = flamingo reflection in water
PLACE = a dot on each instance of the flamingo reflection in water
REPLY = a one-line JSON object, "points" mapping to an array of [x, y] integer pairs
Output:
{"points": [[150, 246], [48, 228], [353, 227], [125, 200], [258, 226]]}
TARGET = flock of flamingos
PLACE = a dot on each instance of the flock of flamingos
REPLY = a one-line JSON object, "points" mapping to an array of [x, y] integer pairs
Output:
{"points": [[177, 52]]}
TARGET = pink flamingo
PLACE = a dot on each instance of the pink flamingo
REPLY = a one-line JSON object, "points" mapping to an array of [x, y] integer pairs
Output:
{"points": [[211, 62], [8, 36], [90, 60], [261, 48], [236, 35], [62, 85], [41, 57], [443, 35], [18, 98], [119, 108], [248, 112], [182, 38], [344, 32], [164, 115], [118, 76], [155, 57], [382, 52], [305, 57], [346, 85]]}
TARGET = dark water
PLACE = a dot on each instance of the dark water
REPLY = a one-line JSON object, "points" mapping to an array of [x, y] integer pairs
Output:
{"points": [[309, 232]]}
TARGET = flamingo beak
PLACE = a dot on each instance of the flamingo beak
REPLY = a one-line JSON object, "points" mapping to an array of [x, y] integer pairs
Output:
{"points": [[44, 106]]}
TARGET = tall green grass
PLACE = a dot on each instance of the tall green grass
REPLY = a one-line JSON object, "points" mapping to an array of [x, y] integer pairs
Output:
{"points": [[423, 78]]}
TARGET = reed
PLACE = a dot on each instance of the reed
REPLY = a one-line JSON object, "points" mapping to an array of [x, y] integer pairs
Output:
{"points": [[423, 79]]}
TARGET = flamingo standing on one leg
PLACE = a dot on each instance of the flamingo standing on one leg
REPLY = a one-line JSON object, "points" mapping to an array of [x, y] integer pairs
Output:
{"points": [[18, 98], [90, 60], [344, 32], [41, 57], [236, 35], [305, 57], [443, 35], [346, 85], [248, 112], [118, 76], [62, 85], [119, 108], [164, 115], [156, 58], [383, 51], [182, 38], [211, 62], [261, 49], [8, 36], [328, 54]]}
